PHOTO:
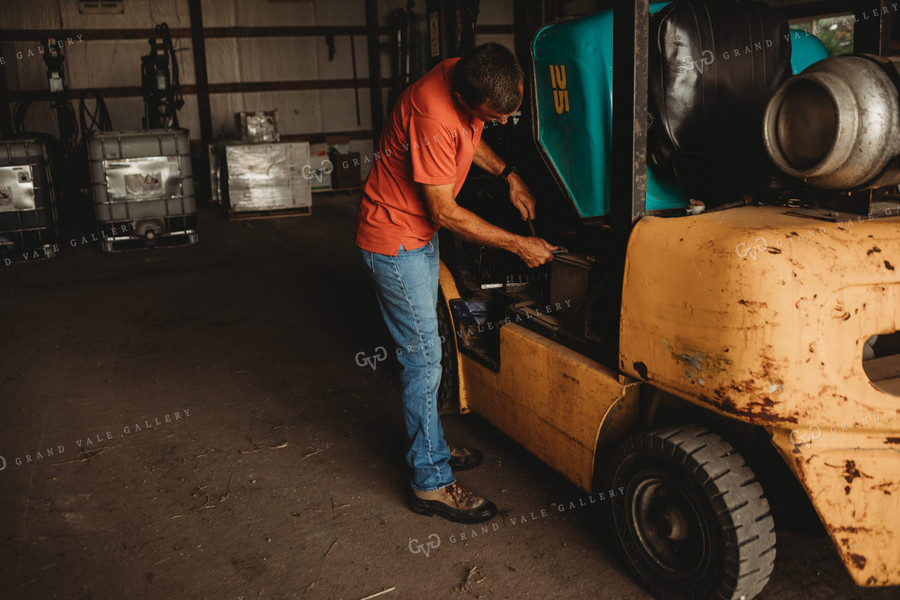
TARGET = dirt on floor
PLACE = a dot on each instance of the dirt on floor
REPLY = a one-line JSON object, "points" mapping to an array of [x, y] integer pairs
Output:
{"points": [[194, 423]]}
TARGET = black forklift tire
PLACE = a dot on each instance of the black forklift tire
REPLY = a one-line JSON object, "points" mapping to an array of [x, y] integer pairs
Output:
{"points": [[690, 516], [448, 392]]}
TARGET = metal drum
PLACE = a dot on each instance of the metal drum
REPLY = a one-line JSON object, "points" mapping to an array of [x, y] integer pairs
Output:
{"points": [[143, 188], [28, 221]]}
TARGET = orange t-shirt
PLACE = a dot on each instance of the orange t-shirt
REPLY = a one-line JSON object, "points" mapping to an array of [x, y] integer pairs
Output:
{"points": [[428, 139]]}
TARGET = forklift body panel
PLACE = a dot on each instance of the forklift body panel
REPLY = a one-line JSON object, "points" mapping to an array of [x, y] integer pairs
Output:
{"points": [[762, 315], [552, 400], [852, 477]]}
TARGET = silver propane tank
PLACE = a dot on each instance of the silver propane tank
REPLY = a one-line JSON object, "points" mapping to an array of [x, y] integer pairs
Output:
{"points": [[836, 125]]}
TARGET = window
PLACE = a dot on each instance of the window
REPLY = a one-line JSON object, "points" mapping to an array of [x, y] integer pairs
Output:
{"points": [[835, 32]]}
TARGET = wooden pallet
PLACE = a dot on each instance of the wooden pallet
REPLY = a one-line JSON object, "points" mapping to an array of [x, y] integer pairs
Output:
{"points": [[337, 190], [134, 244], [10, 255], [274, 213]]}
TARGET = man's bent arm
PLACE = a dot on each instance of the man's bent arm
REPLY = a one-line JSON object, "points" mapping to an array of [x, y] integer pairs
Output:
{"points": [[488, 160], [445, 212], [519, 194]]}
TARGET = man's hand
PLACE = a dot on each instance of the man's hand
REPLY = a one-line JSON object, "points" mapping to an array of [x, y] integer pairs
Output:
{"points": [[518, 191], [534, 251], [521, 197]]}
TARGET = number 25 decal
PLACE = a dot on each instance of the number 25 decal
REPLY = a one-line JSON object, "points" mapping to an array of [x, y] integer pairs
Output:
{"points": [[560, 93]]}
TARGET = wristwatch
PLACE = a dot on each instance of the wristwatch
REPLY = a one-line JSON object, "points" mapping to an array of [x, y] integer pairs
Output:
{"points": [[509, 169]]}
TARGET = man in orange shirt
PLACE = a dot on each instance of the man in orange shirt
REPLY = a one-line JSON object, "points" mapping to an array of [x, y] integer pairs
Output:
{"points": [[428, 144]]}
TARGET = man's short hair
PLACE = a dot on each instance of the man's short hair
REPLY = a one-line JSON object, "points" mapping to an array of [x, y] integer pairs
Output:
{"points": [[489, 74]]}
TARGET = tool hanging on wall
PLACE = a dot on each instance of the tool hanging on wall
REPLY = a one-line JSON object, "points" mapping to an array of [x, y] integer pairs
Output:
{"points": [[451, 28], [161, 83], [329, 41], [69, 130], [67, 157], [355, 79], [98, 119], [407, 53], [59, 101], [399, 48]]}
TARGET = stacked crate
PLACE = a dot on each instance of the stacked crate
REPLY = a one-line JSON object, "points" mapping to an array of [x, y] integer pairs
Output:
{"points": [[265, 179]]}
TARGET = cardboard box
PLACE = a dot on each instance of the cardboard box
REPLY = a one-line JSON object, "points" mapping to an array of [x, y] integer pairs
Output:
{"points": [[347, 172], [258, 126], [320, 167], [338, 143]]}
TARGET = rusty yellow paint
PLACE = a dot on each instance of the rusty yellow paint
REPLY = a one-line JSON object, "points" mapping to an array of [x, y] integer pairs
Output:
{"points": [[450, 291], [552, 400], [853, 480], [762, 316]]}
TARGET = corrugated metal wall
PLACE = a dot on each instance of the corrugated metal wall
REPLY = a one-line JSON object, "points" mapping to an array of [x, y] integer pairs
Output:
{"points": [[98, 63]]}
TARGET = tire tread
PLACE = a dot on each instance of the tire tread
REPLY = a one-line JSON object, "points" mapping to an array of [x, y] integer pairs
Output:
{"points": [[737, 499]]}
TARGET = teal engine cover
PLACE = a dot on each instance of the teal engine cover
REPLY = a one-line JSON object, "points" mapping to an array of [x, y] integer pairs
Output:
{"points": [[806, 49], [573, 94]]}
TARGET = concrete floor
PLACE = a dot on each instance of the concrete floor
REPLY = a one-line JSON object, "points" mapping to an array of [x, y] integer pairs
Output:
{"points": [[213, 437]]}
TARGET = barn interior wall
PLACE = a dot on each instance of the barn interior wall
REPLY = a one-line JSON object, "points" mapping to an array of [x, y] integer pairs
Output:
{"points": [[96, 63]]}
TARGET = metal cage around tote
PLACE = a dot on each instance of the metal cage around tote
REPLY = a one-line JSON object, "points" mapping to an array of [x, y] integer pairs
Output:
{"points": [[29, 227], [143, 188]]}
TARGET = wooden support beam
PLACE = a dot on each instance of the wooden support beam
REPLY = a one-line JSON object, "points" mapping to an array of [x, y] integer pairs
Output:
{"points": [[872, 28], [190, 89], [358, 134], [35, 35], [819, 8], [6, 126], [28, 35], [198, 42]]}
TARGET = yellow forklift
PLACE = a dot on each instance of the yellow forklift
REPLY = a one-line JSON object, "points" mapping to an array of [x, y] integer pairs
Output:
{"points": [[730, 302]]}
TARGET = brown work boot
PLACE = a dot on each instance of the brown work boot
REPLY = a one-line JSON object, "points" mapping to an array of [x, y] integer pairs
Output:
{"points": [[464, 458], [453, 502]]}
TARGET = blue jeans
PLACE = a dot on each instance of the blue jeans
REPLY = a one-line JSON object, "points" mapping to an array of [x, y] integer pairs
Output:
{"points": [[407, 290]]}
